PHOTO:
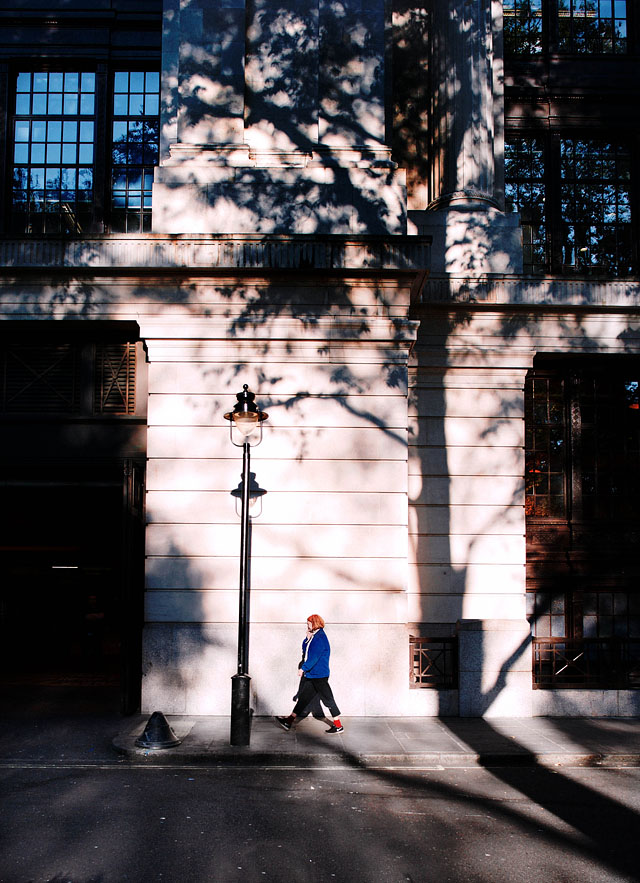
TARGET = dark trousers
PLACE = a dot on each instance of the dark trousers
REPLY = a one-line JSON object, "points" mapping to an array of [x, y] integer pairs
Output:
{"points": [[315, 707], [312, 688]]}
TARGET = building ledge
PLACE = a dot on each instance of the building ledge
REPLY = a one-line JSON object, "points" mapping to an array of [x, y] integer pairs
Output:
{"points": [[217, 252], [532, 291]]}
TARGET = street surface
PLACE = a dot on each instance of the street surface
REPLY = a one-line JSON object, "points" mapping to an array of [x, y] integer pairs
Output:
{"points": [[111, 820]]}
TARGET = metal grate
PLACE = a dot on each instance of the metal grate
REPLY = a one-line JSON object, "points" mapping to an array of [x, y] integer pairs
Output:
{"points": [[40, 378], [612, 663], [433, 662]]}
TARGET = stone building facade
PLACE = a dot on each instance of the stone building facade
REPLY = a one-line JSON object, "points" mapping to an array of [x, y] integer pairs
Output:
{"points": [[413, 235]]}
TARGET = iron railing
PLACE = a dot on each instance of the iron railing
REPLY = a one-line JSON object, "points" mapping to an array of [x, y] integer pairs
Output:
{"points": [[606, 663], [434, 663]]}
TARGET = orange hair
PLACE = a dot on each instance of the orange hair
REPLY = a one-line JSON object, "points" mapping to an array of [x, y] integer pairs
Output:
{"points": [[317, 622]]}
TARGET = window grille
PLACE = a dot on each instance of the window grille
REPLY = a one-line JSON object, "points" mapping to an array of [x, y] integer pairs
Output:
{"points": [[582, 462], [545, 443], [115, 373], [591, 662], [433, 662], [40, 378], [66, 378]]}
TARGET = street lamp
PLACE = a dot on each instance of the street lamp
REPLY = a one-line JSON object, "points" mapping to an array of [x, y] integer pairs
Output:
{"points": [[247, 420]]}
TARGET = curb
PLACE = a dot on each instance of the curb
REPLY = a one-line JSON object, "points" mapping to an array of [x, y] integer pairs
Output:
{"points": [[237, 757]]}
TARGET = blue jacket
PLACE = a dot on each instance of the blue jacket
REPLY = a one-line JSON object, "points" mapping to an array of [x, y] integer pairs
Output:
{"points": [[316, 664]]}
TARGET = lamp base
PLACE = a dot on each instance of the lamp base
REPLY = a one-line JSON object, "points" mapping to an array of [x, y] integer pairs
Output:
{"points": [[240, 710]]}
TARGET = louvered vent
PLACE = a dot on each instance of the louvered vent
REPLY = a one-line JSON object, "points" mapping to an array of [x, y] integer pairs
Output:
{"points": [[115, 376], [41, 379]]}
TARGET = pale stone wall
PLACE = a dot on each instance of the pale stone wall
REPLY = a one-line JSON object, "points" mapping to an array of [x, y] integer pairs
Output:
{"points": [[353, 437], [466, 491], [332, 535]]}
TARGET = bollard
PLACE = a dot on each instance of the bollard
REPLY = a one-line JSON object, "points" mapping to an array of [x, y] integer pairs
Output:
{"points": [[157, 733]]}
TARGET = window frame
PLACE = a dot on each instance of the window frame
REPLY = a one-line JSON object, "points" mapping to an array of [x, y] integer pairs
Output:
{"points": [[103, 117], [554, 222], [582, 565], [550, 36], [47, 119], [112, 118]]}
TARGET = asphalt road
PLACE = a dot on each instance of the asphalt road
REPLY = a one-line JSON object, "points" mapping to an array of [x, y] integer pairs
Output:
{"points": [[109, 821]]}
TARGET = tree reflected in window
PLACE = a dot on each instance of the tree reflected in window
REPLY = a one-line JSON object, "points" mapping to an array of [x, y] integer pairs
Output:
{"points": [[134, 149], [525, 193], [522, 27], [592, 26], [53, 152], [585, 211], [54, 173], [595, 206]]}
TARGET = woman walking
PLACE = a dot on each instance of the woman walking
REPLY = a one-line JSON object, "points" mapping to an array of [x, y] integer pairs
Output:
{"points": [[314, 671]]}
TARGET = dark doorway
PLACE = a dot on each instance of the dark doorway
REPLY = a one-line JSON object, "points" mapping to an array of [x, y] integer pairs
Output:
{"points": [[72, 455], [69, 625]]}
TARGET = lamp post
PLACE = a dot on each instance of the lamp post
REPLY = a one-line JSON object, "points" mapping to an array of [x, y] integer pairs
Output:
{"points": [[247, 420]]}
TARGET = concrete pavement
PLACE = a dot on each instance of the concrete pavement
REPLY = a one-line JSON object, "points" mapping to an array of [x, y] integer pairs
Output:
{"points": [[404, 742]]}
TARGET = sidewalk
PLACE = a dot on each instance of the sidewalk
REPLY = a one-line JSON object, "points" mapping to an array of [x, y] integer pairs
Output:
{"points": [[396, 742]]}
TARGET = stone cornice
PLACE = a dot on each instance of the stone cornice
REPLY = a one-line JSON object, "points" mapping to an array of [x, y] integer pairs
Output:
{"points": [[211, 253], [532, 291]]}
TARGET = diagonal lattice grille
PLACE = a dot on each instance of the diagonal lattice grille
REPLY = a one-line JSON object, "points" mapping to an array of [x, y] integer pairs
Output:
{"points": [[434, 662], [41, 378], [115, 379]]}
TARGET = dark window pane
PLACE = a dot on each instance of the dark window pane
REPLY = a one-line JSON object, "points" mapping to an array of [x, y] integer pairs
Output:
{"points": [[52, 189], [522, 27], [595, 211], [525, 193], [134, 148], [587, 26]]}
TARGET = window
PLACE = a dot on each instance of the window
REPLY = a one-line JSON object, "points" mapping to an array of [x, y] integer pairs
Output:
{"points": [[53, 152], [59, 172], [525, 193], [574, 197], [545, 441], [582, 440], [135, 140], [68, 378], [592, 26], [596, 206], [523, 27], [595, 27]]}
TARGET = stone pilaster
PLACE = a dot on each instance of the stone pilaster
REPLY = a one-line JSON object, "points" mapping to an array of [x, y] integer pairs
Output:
{"points": [[471, 234], [495, 668], [273, 120], [462, 164], [203, 72]]}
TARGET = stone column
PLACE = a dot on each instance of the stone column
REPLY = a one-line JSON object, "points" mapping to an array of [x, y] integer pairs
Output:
{"points": [[471, 234], [462, 168]]}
